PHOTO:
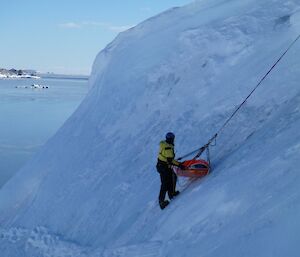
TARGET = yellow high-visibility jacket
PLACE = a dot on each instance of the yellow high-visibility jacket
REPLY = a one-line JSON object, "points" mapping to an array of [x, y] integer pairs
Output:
{"points": [[166, 153]]}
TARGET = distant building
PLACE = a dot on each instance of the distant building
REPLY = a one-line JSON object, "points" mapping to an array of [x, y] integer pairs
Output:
{"points": [[14, 71]]}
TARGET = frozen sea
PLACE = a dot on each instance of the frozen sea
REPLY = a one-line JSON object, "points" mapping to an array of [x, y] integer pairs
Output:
{"points": [[28, 117]]}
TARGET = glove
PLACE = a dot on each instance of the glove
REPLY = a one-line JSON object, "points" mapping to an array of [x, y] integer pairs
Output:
{"points": [[181, 166]]}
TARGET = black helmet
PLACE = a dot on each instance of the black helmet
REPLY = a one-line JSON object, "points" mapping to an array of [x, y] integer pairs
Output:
{"points": [[170, 137]]}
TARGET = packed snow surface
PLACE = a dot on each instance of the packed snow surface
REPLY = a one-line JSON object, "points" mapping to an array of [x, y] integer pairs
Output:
{"points": [[92, 190]]}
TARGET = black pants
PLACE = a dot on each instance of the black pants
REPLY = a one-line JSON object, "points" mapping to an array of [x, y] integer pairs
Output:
{"points": [[168, 181]]}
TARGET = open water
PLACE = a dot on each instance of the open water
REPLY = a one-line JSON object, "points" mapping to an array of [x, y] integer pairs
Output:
{"points": [[29, 117]]}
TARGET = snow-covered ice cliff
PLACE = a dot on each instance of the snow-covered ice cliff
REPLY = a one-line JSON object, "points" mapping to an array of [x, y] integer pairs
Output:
{"points": [[92, 190]]}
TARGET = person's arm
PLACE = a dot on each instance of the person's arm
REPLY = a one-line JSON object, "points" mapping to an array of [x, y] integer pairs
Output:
{"points": [[175, 162]]}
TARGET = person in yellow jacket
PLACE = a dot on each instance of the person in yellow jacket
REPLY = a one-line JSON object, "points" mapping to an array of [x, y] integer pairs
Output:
{"points": [[166, 159]]}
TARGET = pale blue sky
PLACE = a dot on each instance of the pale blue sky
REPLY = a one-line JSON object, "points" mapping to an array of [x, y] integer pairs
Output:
{"points": [[64, 36]]}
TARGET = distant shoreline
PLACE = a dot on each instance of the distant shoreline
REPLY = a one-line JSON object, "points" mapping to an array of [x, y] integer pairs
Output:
{"points": [[32, 74], [62, 76], [18, 74], [43, 76], [5, 76]]}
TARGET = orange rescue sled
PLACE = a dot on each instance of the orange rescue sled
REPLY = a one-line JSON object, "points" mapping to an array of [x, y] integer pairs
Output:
{"points": [[194, 169]]}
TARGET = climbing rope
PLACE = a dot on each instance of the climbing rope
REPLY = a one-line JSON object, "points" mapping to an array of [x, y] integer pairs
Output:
{"points": [[200, 150]]}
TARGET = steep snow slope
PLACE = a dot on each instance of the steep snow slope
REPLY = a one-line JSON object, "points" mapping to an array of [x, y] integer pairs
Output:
{"points": [[92, 190]]}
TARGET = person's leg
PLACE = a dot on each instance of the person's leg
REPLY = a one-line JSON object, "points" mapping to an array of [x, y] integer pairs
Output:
{"points": [[163, 187], [164, 182], [173, 186], [170, 184], [174, 183]]}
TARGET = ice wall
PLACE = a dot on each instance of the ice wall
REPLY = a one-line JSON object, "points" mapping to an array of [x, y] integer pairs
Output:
{"points": [[185, 70]]}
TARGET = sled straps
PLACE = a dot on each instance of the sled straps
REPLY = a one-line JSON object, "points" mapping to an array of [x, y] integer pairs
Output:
{"points": [[199, 151]]}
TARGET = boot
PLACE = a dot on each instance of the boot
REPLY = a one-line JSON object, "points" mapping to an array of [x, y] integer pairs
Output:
{"points": [[163, 204], [176, 193]]}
